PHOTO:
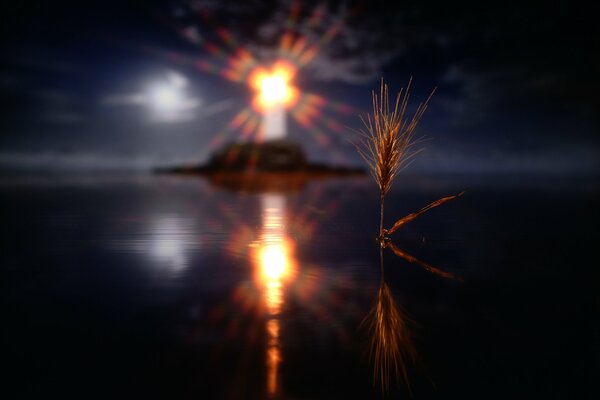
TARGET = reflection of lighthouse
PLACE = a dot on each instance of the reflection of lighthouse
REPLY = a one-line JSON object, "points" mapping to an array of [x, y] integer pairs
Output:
{"points": [[275, 267]]}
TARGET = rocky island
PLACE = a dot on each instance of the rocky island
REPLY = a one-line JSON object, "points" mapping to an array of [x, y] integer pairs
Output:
{"points": [[279, 165]]}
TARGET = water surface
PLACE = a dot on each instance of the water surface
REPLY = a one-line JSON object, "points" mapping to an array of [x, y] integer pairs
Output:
{"points": [[168, 287]]}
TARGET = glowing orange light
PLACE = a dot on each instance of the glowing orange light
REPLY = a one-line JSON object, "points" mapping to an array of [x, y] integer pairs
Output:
{"points": [[273, 86], [274, 257], [275, 260], [273, 355]]}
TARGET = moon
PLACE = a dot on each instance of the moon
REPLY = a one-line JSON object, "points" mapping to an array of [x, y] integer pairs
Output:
{"points": [[165, 97]]}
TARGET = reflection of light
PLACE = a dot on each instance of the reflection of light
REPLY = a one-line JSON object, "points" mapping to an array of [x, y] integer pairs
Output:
{"points": [[273, 355], [274, 297], [168, 241], [274, 260], [171, 239], [170, 251]]}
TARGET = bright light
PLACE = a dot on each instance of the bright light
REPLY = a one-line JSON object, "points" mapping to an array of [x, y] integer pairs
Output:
{"points": [[274, 258], [273, 261], [171, 239], [275, 266], [273, 89], [165, 97], [273, 86]]}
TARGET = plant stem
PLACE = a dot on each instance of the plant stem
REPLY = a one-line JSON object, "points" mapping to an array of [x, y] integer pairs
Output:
{"points": [[381, 272], [382, 199]]}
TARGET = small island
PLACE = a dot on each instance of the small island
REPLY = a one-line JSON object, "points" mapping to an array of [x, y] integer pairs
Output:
{"points": [[277, 164]]}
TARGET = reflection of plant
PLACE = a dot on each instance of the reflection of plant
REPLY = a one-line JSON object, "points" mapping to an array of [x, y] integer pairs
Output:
{"points": [[426, 266], [391, 341], [388, 143]]}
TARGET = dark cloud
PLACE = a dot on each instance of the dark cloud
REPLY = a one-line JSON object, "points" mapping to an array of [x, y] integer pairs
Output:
{"points": [[354, 39], [497, 58]]}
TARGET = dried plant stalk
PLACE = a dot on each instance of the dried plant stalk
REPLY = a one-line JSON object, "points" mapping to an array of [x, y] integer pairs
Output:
{"points": [[388, 141], [414, 215]]}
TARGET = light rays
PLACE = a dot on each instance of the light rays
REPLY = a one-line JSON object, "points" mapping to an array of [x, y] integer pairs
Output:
{"points": [[319, 118], [305, 32], [245, 121]]}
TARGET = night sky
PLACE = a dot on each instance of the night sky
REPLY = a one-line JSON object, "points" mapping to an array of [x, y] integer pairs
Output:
{"points": [[516, 83]]}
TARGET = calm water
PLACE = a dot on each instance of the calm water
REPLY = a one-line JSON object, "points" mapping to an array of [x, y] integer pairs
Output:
{"points": [[167, 287]]}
